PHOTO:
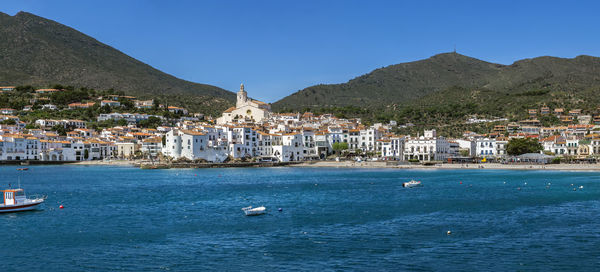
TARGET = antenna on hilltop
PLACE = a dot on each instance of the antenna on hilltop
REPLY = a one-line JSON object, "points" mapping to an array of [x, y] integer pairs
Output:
{"points": [[455, 49]]}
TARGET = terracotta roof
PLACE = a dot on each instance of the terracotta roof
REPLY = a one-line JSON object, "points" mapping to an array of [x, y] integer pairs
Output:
{"points": [[191, 132], [153, 140]]}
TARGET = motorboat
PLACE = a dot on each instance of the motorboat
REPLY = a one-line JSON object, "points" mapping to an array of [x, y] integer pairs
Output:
{"points": [[15, 200], [22, 169], [412, 183], [249, 211]]}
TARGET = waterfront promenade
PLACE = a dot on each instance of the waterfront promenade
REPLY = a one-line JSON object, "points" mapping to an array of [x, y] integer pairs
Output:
{"points": [[364, 164], [382, 164]]}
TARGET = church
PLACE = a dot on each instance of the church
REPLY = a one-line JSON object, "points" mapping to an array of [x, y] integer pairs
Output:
{"points": [[246, 110]]}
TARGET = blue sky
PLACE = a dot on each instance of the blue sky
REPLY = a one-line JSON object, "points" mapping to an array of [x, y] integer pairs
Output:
{"points": [[278, 47]]}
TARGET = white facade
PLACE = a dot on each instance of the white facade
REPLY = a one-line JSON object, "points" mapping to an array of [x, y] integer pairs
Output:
{"points": [[192, 145], [289, 148], [427, 149], [246, 110], [485, 148], [368, 138]]}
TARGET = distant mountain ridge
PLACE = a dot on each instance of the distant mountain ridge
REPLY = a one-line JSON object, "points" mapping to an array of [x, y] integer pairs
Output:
{"points": [[414, 82], [37, 51]]}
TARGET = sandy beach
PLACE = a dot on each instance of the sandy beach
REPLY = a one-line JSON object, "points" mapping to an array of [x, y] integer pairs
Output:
{"points": [[377, 164], [382, 164], [108, 162]]}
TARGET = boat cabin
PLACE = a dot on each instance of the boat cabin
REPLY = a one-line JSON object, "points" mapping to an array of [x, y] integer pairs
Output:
{"points": [[13, 196]]}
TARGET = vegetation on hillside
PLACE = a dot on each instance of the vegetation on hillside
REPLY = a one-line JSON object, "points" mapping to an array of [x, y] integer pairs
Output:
{"points": [[41, 52], [447, 89], [25, 95]]}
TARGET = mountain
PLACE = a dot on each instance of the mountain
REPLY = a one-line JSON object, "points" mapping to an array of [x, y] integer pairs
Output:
{"points": [[455, 79], [40, 52]]}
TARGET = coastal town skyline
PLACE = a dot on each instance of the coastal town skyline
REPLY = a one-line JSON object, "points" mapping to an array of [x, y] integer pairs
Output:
{"points": [[248, 48], [204, 136], [142, 131]]}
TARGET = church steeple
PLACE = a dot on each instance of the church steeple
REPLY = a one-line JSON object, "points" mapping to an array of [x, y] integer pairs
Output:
{"points": [[242, 97]]}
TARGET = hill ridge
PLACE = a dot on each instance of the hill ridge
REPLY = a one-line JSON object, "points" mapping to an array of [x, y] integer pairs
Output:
{"points": [[38, 51], [408, 82]]}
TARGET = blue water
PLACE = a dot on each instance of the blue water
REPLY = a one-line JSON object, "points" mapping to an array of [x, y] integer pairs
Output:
{"points": [[127, 219]]}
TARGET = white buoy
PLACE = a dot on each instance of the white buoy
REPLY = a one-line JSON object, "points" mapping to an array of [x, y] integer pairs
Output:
{"points": [[581, 187], [448, 232]]}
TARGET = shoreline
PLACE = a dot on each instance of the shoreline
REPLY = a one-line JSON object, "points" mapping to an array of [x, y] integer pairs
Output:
{"points": [[346, 164], [109, 162], [490, 166]]}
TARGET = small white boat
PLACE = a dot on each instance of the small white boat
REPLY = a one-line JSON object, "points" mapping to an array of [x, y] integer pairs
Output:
{"points": [[14, 200], [249, 211], [412, 183]]}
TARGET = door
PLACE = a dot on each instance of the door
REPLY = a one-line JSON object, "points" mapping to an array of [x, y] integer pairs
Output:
{"points": [[9, 198]]}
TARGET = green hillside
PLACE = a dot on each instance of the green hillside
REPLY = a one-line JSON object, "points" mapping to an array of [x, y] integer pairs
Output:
{"points": [[446, 88], [40, 52]]}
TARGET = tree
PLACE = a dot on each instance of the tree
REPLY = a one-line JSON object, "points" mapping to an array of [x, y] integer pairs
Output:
{"points": [[31, 126], [339, 146], [522, 146], [8, 122], [151, 122], [122, 122], [105, 109], [61, 130]]}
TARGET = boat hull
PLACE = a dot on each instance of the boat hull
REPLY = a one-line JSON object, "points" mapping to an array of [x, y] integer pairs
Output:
{"points": [[255, 213], [249, 211], [411, 184], [19, 208]]}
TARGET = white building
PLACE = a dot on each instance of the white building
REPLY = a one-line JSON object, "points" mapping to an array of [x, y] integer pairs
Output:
{"points": [[129, 117], [245, 110], [17, 147], [151, 146], [192, 145], [367, 139], [468, 145], [288, 147], [485, 148], [427, 148], [49, 107]]}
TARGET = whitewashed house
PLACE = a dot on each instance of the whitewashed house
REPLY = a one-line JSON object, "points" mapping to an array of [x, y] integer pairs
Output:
{"points": [[428, 147]]}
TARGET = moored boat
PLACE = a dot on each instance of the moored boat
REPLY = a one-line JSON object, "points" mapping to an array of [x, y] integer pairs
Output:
{"points": [[412, 183], [22, 169], [15, 200], [249, 211]]}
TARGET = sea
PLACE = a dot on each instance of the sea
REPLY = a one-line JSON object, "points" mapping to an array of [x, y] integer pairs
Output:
{"points": [[318, 219]]}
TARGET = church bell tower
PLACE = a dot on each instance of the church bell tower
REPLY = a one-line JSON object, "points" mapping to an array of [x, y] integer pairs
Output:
{"points": [[242, 97]]}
